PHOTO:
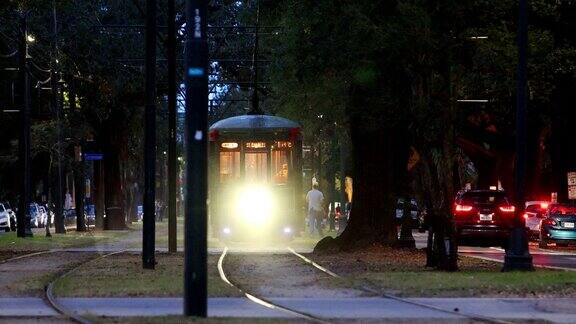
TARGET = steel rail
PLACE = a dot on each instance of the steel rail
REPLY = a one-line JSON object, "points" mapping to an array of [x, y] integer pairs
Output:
{"points": [[261, 300], [51, 298], [403, 300]]}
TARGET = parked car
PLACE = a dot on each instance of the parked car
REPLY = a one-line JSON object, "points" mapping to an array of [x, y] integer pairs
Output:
{"points": [[12, 214], [43, 215], [483, 217], [534, 212], [90, 213], [70, 217], [413, 206], [6, 222], [35, 214], [558, 225]]}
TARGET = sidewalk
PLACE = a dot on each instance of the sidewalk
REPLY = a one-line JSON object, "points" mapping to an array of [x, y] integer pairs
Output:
{"points": [[558, 310]]}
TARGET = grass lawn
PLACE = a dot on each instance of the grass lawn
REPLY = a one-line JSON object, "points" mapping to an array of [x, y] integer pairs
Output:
{"points": [[122, 276], [402, 273], [39, 242]]}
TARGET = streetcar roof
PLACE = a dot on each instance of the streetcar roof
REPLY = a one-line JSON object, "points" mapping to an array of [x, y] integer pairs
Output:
{"points": [[254, 122]]}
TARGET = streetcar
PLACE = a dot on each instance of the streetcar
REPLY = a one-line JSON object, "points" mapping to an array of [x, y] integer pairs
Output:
{"points": [[255, 169]]}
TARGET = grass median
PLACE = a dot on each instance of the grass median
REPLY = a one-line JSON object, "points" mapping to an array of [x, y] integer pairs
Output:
{"points": [[402, 273], [122, 275], [39, 242]]}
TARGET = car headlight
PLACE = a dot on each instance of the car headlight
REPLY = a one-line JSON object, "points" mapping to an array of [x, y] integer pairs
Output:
{"points": [[255, 204]]}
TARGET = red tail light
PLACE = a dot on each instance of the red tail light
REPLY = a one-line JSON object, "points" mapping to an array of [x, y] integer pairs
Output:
{"points": [[462, 208], [543, 205], [549, 221], [525, 216], [507, 209]]}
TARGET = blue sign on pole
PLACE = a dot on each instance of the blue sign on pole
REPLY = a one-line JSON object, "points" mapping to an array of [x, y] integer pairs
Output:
{"points": [[93, 156]]}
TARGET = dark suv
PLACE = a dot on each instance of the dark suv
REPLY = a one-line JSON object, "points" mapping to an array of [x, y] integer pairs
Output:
{"points": [[483, 217]]}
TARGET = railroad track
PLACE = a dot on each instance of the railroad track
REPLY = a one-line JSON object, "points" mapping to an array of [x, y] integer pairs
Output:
{"points": [[264, 301], [368, 289], [365, 287], [49, 297]]}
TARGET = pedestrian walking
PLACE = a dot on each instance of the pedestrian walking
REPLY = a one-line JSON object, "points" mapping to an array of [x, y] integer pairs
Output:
{"points": [[315, 200]]}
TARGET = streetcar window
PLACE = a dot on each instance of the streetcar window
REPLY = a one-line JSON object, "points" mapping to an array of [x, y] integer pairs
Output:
{"points": [[256, 167], [229, 166], [280, 167]]}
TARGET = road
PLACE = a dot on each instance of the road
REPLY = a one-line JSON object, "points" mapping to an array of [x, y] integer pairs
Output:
{"points": [[561, 258], [553, 257]]}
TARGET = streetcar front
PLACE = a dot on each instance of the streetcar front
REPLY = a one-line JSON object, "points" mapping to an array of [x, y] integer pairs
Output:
{"points": [[253, 192]]}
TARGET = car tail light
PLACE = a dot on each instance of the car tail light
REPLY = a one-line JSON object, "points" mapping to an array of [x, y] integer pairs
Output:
{"points": [[507, 209], [544, 205], [549, 221], [462, 208], [525, 216]]}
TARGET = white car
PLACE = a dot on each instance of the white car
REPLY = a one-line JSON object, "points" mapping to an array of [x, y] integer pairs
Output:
{"points": [[5, 219], [533, 214]]}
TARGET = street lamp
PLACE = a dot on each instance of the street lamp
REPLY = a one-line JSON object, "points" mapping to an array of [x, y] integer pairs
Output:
{"points": [[23, 228], [517, 254]]}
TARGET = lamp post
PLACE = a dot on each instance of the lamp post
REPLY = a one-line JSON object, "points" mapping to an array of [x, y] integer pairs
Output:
{"points": [[24, 142], [517, 254], [196, 132], [148, 232], [172, 163]]}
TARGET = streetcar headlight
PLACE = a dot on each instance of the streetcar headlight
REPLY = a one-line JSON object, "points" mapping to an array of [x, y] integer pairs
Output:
{"points": [[255, 204]]}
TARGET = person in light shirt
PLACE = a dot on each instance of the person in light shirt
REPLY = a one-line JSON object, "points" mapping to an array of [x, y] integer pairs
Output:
{"points": [[315, 200]]}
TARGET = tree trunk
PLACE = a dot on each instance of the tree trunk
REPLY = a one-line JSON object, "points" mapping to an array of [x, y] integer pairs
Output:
{"points": [[380, 157], [114, 198], [99, 194]]}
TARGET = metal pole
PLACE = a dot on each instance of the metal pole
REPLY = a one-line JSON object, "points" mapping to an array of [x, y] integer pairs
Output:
{"points": [[255, 98], [24, 143], [195, 240], [518, 255], [57, 106], [79, 172], [148, 239], [172, 159]]}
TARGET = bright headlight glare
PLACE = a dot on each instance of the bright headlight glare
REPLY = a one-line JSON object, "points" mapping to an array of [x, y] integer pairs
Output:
{"points": [[255, 204]]}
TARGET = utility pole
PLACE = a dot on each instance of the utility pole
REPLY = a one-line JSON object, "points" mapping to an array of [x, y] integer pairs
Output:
{"points": [[255, 110], [56, 106], [80, 170], [195, 240], [24, 143], [172, 159], [148, 239], [518, 255]]}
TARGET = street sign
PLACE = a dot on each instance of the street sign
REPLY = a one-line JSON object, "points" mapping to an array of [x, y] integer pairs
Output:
{"points": [[93, 156], [571, 178], [554, 197], [572, 192]]}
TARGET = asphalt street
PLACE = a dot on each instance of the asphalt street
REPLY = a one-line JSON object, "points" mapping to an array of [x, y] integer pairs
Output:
{"points": [[556, 258], [552, 257]]}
